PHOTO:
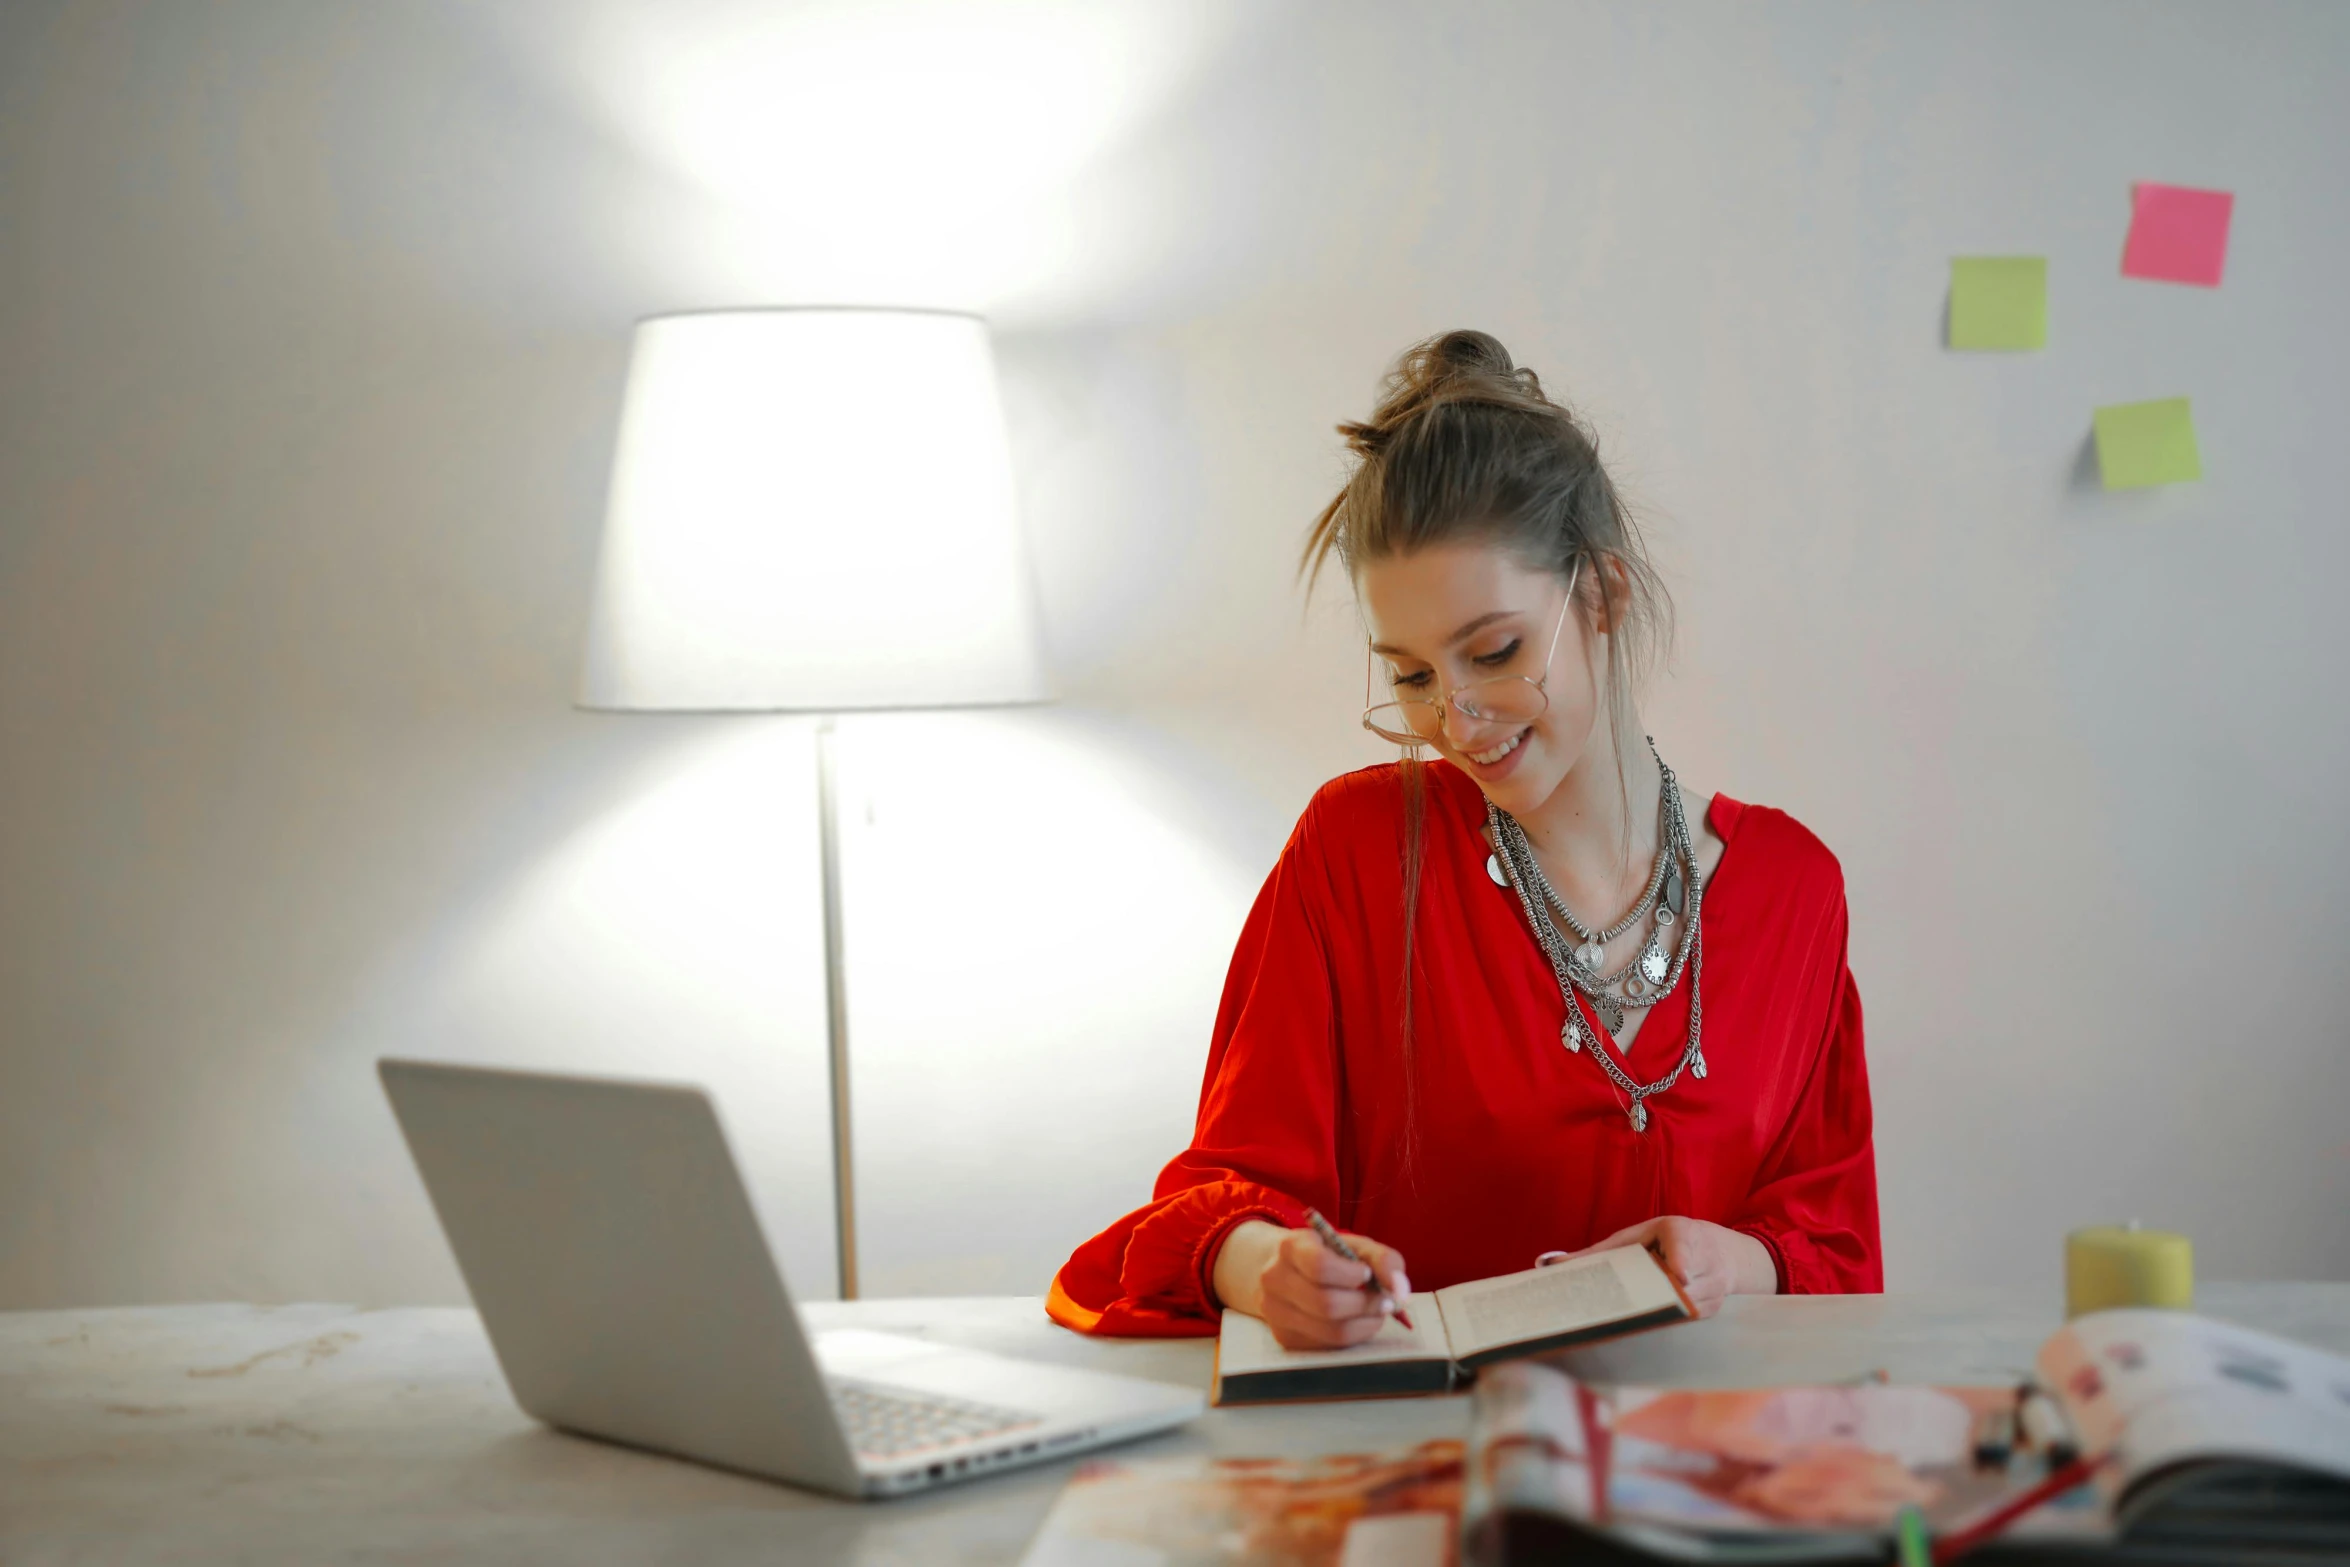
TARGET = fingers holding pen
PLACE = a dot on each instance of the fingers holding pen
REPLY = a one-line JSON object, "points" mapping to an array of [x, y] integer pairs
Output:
{"points": [[1386, 1265], [1310, 1324], [1317, 1299]]}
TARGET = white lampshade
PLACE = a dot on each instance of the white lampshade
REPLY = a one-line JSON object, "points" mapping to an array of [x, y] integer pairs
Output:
{"points": [[811, 510]]}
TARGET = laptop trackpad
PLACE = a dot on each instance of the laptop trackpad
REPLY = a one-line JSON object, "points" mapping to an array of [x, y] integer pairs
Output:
{"points": [[856, 1352], [918, 1365]]}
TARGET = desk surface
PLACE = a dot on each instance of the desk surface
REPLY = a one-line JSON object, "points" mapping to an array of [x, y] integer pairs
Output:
{"points": [[332, 1434]]}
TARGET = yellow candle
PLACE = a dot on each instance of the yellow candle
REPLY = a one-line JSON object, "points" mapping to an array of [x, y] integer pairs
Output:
{"points": [[2109, 1265]]}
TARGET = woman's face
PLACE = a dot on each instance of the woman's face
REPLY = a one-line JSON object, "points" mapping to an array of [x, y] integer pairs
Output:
{"points": [[1451, 615]]}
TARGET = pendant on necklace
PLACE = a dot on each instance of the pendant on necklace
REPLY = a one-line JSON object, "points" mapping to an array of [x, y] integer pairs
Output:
{"points": [[1610, 1010], [1493, 869], [1591, 954], [1674, 891], [1639, 1116], [1697, 1063], [1653, 963], [1635, 986], [1571, 1034]]}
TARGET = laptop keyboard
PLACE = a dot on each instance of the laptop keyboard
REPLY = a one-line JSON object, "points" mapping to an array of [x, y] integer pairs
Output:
{"points": [[885, 1423]]}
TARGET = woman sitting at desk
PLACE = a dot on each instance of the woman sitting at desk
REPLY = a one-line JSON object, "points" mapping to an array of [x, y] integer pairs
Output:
{"points": [[1529, 996]]}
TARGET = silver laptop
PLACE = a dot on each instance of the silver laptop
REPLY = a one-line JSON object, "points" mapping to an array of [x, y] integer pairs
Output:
{"points": [[629, 1294]]}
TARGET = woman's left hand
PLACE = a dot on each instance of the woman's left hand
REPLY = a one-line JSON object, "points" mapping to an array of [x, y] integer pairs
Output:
{"points": [[1711, 1261]]}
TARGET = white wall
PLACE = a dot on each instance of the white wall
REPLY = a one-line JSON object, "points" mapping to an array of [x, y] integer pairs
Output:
{"points": [[313, 321]]}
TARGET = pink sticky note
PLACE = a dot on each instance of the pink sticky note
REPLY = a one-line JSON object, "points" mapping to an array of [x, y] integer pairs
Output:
{"points": [[2177, 235]]}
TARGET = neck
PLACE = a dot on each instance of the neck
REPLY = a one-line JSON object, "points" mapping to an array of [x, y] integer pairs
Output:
{"points": [[1587, 828]]}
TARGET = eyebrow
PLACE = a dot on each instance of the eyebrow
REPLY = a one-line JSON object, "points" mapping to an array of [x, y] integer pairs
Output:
{"points": [[1462, 635]]}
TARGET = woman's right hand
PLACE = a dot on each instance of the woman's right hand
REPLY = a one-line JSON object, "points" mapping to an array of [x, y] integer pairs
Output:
{"points": [[1311, 1297]]}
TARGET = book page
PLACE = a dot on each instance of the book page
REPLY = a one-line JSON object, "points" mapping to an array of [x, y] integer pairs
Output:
{"points": [[1540, 1303], [1245, 1345]]}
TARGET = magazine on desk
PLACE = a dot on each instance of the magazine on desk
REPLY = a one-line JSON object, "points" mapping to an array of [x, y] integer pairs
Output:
{"points": [[2222, 1440], [1456, 1330], [1397, 1508]]}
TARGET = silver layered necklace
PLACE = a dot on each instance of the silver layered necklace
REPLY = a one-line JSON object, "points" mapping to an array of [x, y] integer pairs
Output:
{"points": [[1673, 896]]}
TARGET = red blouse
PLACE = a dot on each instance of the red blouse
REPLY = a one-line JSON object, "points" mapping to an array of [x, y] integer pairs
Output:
{"points": [[1516, 1146]]}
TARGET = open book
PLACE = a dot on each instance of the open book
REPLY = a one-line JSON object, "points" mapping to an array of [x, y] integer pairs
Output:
{"points": [[1456, 1330], [2224, 1443]]}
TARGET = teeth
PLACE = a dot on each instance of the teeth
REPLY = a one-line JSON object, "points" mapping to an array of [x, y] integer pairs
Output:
{"points": [[1488, 758]]}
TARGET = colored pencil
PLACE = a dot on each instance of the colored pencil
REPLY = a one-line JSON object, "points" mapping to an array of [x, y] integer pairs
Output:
{"points": [[1952, 1546]]}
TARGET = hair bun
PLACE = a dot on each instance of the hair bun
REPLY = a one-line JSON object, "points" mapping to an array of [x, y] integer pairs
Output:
{"points": [[1473, 353], [1461, 366]]}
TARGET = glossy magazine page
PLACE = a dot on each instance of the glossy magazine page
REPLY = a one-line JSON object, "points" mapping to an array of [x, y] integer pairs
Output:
{"points": [[1754, 1473], [2161, 1389], [1399, 1508]]}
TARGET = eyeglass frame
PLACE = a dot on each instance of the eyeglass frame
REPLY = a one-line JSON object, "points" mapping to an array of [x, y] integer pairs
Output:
{"points": [[1450, 700]]}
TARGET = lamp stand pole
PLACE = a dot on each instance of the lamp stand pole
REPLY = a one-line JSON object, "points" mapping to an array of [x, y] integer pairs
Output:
{"points": [[836, 1015]]}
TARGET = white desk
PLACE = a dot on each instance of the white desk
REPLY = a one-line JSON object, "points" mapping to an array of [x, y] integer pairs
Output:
{"points": [[196, 1434]]}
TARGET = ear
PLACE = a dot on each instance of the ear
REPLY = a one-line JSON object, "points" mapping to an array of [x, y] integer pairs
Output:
{"points": [[1606, 589]]}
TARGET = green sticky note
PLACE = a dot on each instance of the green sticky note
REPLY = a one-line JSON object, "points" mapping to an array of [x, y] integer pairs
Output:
{"points": [[2147, 443], [1999, 301]]}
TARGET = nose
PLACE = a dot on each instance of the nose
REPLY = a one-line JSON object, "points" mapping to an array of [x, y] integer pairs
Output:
{"points": [[1466, 732]]}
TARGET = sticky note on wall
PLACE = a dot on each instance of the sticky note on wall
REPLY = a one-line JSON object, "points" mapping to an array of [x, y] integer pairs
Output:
{"points": [[2177, 235], [2139, 444], [1999, 302]]}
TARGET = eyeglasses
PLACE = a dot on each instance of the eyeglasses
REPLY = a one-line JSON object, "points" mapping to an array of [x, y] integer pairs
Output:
{"points": [[1509, 699]]}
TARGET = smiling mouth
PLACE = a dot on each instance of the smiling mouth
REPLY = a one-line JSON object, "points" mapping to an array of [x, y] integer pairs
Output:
{"points": [[1488, 758]]}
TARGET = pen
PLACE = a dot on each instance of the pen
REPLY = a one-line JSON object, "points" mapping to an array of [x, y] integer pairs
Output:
{"points": [[1337, 1243]]}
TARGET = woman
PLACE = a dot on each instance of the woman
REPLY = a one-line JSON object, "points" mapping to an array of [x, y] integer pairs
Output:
{"points": [[1531, 996]]}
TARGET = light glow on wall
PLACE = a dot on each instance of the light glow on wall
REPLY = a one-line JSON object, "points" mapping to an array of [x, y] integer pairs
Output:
{"points": [[909, 151], [1037, 930]]}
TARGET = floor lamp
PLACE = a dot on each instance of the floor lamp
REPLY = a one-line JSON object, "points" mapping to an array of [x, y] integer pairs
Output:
{"points": [[811, 512]]}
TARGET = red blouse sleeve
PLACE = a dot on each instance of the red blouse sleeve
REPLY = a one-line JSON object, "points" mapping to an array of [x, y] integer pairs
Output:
{"points": [[1814, 1205], [1265, 1144]]}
